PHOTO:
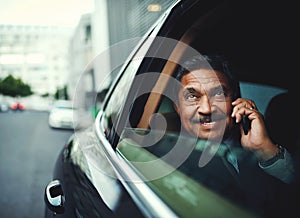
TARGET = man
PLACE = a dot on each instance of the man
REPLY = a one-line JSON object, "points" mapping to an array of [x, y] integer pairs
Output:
{"points": [[210, 107]]}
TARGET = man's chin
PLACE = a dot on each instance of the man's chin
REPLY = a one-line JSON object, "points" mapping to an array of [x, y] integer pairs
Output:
{"points": [[211, 136]]}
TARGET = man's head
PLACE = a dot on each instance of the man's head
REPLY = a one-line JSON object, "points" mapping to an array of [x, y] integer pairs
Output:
{"points": [[204, 99]]}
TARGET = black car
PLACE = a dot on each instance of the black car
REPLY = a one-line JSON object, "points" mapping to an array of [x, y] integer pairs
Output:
{"points": [[120, 166]]}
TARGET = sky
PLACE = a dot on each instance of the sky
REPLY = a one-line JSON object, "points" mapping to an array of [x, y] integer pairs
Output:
{"points": [[44, 12]]}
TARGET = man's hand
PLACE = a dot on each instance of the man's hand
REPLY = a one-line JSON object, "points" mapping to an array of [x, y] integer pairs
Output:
{"points": [[257, 138]]}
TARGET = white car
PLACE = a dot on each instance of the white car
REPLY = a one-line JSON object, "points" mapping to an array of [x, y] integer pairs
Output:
{"points": [[4, 107], [61, 115]]}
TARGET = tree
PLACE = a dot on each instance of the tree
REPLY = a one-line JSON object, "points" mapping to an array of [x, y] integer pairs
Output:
{"points": [[14, 87], [62, 93]]}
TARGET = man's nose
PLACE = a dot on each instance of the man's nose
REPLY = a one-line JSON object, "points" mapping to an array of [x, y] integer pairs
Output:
{"points": [[204, 105]]}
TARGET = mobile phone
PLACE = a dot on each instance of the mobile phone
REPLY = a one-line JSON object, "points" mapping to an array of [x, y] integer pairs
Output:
{"points": [[246, 124]]}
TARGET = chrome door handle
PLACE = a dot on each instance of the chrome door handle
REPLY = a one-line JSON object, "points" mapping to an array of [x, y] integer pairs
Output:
{"points": [[54, 196]]}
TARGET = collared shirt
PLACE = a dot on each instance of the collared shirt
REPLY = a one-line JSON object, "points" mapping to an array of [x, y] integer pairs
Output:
{"points": [[282, 168], [232, 150]]}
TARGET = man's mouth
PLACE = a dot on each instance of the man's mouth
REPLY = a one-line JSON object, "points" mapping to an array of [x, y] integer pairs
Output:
{"points": [[208, 119], [205, 120]]}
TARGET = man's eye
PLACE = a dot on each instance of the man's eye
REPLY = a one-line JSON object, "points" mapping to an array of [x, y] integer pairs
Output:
{"points": [[220, 93], [191, 97]]}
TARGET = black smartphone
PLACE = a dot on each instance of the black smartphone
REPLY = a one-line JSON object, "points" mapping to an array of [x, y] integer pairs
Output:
{"points": [[246, 124]]}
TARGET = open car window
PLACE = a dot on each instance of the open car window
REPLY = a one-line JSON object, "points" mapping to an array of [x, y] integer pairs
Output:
{"points": [[150, 138]]}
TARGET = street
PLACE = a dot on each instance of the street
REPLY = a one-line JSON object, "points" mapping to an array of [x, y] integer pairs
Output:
{"points": [[28, 151]]}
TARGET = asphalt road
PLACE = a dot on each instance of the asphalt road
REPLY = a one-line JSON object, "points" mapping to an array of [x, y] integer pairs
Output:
{"points": [[28, 149]]}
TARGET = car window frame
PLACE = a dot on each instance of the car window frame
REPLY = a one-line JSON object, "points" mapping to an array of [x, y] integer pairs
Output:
{"points": [[122, 165], [152, 205], [168, 70]]}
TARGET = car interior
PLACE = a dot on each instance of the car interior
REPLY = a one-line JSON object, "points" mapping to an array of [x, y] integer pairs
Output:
{"points": [[225, 30]]}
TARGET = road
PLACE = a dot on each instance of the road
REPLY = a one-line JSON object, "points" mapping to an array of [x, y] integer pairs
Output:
{"points": [[28, 150]]}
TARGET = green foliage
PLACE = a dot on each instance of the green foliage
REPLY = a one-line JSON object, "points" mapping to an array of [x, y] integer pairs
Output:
{"points": [[62, 93], [14, 87]]}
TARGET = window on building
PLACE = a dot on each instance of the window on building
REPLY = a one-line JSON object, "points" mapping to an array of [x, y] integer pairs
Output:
{"points": [[88, 35]]}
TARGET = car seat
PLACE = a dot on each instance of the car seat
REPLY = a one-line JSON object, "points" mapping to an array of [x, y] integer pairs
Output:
{"points": [[280, 122]]}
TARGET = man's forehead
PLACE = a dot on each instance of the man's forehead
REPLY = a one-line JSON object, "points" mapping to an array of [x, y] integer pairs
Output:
{"points": [[204, 76]]}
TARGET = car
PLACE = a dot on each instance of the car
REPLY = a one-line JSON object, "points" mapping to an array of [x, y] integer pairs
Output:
{"points": [[61, 115], [119, 166], [4, 106], [17, 106]]}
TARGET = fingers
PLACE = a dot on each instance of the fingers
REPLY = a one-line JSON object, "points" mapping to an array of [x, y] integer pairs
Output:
{"points": [[248, 103], [239, 112], [243, 107]]}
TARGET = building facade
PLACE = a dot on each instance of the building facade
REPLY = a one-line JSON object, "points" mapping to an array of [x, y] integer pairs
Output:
{"points": [[103, 40], [35, 54]]}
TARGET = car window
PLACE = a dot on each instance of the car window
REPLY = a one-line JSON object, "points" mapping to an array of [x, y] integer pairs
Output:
{"points": [[149, 138], [184, 186], [188, 189], [117, 99], [115, 104], [153, 145], [64, 104], [168, 162]]}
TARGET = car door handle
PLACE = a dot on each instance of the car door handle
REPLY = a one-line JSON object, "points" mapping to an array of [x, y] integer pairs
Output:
{"points": [[54, 196]]}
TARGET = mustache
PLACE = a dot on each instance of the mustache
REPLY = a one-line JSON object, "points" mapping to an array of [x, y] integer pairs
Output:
{"points": [[208, 118]]}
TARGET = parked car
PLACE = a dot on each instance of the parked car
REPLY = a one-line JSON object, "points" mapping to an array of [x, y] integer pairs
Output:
{"points": [[4, 106], [61, 115], [17, 106], [118, 167]]}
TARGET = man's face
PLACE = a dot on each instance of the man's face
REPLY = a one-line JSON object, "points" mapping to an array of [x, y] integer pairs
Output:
{"points": [[205, 104]]}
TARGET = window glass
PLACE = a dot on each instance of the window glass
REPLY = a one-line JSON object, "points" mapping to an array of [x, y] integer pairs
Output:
{"points": [[167, 160], [188, 189], [170, 161], [117, 98]]}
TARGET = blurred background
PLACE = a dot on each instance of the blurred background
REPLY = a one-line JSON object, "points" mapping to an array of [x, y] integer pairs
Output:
{"points": [[48, 53], [46, 47]]}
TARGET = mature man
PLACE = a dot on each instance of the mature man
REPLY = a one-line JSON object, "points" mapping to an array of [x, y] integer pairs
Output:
{"points": [[210, 107]]}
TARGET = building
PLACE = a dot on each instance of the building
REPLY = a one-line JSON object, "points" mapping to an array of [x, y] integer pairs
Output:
{"points": [[36, 54], [102, 42], [117, 28], [80, 55]]}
